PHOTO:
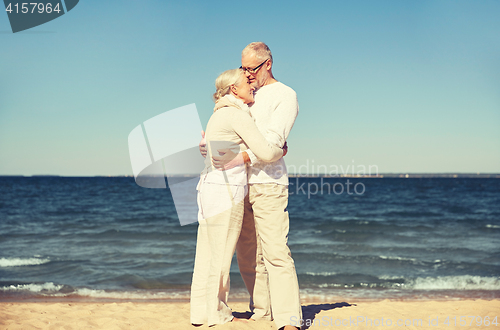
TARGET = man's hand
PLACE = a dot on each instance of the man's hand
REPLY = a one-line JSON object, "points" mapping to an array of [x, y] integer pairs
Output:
{"points": [[285, 149], [203, 145], [227, 159]]}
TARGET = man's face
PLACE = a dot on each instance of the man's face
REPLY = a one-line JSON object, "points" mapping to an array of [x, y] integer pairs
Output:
{"points": [[257, 79]]}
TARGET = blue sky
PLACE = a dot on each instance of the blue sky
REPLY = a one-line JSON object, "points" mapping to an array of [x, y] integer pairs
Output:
{"points": [[406, 86]]}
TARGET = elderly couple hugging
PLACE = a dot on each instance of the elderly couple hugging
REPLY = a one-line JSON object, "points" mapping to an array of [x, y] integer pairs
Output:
{"points": [[243, 196]]}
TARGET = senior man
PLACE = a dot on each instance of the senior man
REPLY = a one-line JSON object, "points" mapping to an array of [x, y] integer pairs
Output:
{"points": [[264, 258]]}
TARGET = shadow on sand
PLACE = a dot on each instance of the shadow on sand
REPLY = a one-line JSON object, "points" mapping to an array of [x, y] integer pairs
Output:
{"points": [[309, 313]]}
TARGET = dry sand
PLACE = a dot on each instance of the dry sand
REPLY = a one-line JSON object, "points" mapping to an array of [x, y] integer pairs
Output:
{"points": [[335, 315]]}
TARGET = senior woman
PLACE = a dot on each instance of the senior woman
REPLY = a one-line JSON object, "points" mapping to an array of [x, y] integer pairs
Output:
{"points": [[221, 196]]}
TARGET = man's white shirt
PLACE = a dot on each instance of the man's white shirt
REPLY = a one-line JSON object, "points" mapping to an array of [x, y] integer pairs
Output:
{"points": [[274, 112]]}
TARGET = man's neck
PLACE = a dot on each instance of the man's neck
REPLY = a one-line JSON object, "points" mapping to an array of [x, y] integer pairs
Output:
{"points": [[270, 81]]}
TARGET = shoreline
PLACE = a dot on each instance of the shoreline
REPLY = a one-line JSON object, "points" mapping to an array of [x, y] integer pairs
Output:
{"points": [[240, 295], [90, 300], [243, 297]]}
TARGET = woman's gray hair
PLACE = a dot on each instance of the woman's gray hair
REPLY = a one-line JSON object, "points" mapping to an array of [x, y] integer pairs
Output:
{"points": [[224, 82], [259, 49]]}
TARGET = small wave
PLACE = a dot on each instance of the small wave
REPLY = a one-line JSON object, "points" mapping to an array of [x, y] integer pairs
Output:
{"points": [[391, 277], [17, 262], [455, 283], [139, 295], [465, 282], [55, 290], [397, 258], [492, 226], [321, 274], [48, 287]]}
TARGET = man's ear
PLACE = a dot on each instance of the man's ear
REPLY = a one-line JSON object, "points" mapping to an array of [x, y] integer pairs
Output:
{"points": [[269, 65]]}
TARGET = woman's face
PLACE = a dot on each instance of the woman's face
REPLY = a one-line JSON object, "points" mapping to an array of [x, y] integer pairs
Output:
{"points": [[244, 91]]}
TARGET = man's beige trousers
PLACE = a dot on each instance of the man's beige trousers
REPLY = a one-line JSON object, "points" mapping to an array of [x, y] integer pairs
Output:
{"points": [[264, 258]]}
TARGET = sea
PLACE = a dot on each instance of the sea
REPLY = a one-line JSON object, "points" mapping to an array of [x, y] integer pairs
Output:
{"points": [[108, 239]]}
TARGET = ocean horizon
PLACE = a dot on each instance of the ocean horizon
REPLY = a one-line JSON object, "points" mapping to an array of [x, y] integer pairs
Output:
{"points": [[451, 175]]}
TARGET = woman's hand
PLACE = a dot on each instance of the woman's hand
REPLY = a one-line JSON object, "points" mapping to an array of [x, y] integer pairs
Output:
{"points": [[227, 159], [285, 149], [203, 145]]}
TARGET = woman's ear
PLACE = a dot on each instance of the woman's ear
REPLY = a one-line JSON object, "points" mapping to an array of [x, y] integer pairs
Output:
{"points": [[233, 89]]}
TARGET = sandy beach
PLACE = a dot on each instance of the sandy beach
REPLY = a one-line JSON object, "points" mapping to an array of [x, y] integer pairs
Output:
{"points": [[458, 314]]}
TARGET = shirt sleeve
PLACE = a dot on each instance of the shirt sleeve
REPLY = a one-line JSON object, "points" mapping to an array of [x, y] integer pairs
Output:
{"points": [[283, 118], [245, 127], [281, 123], [253, 159]]}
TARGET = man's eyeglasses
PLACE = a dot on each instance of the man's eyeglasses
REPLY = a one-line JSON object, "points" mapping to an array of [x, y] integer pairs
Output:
{"points": [[254, 70]]}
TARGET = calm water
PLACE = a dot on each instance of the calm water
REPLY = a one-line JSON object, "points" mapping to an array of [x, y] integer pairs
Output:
{"points": [[384, 238]]}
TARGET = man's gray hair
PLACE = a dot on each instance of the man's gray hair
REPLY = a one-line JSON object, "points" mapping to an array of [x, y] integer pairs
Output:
{"points": [[259, 49]]}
